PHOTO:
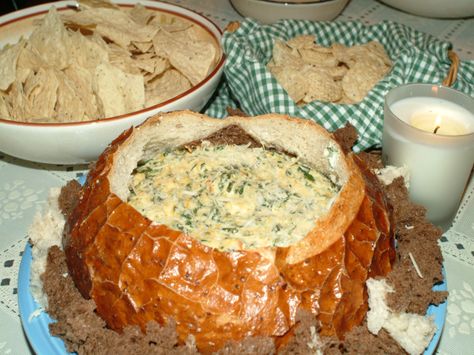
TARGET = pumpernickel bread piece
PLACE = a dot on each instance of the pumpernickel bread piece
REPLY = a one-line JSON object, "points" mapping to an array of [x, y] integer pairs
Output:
{"points": [[137, 270]]}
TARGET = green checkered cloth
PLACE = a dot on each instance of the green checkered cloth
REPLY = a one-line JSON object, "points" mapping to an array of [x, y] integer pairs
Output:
{"points": [[417, 58]]}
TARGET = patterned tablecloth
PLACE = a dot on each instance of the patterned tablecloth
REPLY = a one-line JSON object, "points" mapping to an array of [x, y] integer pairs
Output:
{"points": [[24, 188]]}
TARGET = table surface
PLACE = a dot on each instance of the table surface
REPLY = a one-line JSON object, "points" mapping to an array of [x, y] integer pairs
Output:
{"points": [[24, 188]]}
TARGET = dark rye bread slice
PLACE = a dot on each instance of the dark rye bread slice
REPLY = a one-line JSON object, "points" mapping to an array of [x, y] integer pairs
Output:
{"points": [[84, 332]]}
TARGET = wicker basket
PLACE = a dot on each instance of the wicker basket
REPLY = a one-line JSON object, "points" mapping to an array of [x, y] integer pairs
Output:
{"points": [[416, 57]]}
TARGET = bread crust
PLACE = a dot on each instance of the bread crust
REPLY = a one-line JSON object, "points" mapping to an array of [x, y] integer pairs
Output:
{"points": [[137, 271]]}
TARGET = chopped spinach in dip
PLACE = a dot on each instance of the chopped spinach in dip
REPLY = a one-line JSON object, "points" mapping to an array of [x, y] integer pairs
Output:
{"points": [[232, 197]]}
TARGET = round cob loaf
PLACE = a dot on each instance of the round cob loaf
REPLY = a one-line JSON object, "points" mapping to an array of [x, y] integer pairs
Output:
{"points": [[138, 270]]}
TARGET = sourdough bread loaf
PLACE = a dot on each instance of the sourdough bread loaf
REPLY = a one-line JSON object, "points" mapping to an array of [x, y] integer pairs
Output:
{"points": [[138, 270]]}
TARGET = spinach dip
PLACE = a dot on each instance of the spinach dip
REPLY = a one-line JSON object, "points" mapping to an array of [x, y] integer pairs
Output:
{"points": [[232, 197]]}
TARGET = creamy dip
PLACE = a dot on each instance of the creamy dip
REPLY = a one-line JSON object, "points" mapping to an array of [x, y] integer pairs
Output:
{"points": [[232, 197]]}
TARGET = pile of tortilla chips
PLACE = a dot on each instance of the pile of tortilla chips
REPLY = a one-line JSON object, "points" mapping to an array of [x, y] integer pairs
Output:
{"points": [[102, 61], [336, 74]]}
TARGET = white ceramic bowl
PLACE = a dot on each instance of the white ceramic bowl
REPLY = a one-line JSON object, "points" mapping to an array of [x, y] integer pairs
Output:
{"points": [[268, 11], [435, 8], [82, 142]]}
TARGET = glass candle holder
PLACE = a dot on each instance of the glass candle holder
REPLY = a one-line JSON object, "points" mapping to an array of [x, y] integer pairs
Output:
{"points": [[430, 130]]}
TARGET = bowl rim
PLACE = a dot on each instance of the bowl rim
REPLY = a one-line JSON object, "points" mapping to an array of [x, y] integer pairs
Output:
{"points": [[65, 5], [289, 3]]}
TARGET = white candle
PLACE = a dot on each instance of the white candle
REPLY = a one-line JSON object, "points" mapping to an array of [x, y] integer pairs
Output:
{"points": [[439, 163], [434, 115]]}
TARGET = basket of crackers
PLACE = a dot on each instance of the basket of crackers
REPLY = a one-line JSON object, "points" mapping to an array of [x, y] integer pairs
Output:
{"points": [[331, 72]]}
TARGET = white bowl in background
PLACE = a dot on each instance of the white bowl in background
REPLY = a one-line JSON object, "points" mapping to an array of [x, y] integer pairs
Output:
{"points": [[83, 142], [435, 8], [267, 11]]}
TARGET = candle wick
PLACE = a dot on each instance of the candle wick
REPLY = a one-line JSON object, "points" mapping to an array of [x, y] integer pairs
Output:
{"points": [[436, 130]]}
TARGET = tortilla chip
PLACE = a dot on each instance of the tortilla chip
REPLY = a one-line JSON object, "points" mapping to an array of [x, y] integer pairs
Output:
{"points": [[82, 81], [318, 57], [87, 52], [4, 108], [170, 84], [118, 92], [148, 62], [194, 59], [338, 72], [169, 23], [339, 51], [122, 59], [345, 100], [20, 108], [160, 66], [373, 50], [69, 107], [301, 42], [98, 3], [141, 47], [8, 62], [141, 15], [52, 41], [359, 80], [285, 55], [310, 72], [321, 86], [115, 25], [28, 61], [290, 78], [41, 91]]}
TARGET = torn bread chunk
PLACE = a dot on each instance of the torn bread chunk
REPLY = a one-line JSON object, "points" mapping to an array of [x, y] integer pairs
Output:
{"points": [[389, 173], [412, 331], [45, 231]]}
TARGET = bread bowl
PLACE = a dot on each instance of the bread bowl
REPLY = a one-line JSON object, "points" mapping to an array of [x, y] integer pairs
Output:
{"points": [[138, 270]]}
